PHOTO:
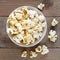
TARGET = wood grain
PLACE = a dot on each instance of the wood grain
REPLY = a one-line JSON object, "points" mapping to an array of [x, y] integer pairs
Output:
{"points": [[6, 42], [10, 51], [15, 54], [52, 7]]}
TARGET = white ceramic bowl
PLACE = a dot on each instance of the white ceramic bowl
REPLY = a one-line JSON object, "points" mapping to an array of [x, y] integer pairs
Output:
{"points": [[44, 32]]}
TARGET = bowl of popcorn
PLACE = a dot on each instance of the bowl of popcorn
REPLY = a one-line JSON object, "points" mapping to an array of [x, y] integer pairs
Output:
{"points": [[26, 26]]}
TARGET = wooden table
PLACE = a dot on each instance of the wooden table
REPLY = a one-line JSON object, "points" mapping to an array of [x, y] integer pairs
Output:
{"points": [[10, 51]]}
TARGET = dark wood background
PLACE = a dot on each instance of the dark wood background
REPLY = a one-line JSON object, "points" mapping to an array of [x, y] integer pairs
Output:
{"points": [[10, 51]]}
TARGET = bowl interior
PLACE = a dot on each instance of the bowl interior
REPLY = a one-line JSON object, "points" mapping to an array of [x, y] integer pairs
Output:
{"points": [[44, 32]]}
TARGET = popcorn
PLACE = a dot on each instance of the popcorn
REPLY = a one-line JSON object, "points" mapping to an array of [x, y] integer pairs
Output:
{"points": [[52, 35], [12, 16], [41, 18], [38, 49], [12, 22], [36, 20], [44, 24], [24, 10], [18, 16], [33, 54], [36, 35], [17, 40], [26, 26], [18, 11], [53, 39], [19, 36], [41, 6], [54, 22], [44, 50], [32, 13], [9, 30], [27, 39], [18, 25], [24, 54]]}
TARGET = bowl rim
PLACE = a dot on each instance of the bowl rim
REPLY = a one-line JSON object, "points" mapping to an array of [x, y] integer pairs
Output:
{"points": [[35, 43]]}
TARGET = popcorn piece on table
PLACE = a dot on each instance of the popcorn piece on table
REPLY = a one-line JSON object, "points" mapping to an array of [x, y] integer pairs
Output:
{"points": [[33, 54], [38, 49], [24, 54], [41, 6], [52, 35], [44, 50], [54, 22]]}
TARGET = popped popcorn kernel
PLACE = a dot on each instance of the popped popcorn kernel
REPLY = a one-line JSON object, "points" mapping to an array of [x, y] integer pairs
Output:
{"points": [[38, 49], [41, 6], [54, 22], [24, 54], [33, 54], [52, 35], [44, 50]]}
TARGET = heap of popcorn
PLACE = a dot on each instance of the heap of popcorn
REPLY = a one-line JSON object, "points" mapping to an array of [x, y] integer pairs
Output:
{"points": [[26, 26]]}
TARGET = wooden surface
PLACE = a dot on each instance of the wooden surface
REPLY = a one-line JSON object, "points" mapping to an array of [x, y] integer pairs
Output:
{"points": [[10, 51]]}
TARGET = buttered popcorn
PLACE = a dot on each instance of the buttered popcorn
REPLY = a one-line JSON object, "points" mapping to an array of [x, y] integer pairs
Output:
{"points": [[52, 35], [26, 26]]}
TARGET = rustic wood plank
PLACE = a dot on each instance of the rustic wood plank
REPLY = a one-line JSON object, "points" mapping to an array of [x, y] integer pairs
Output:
{"points": [[5, 41], [15, 54], [52, 6]]}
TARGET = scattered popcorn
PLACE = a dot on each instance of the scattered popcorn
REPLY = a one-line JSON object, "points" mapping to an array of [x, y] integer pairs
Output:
{"points": [[38, 49], [33, 54], [54, 22], [52, 35], [24, 54], [41, 6], [44, 50], [26, 26]]}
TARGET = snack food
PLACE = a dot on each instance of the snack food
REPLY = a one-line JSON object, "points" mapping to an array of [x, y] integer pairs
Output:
{"points": [[26, 26], [54, 22], [44, 50], [41, 6], [38, 49], [33, 54], [24, 54], [52, 35]]}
